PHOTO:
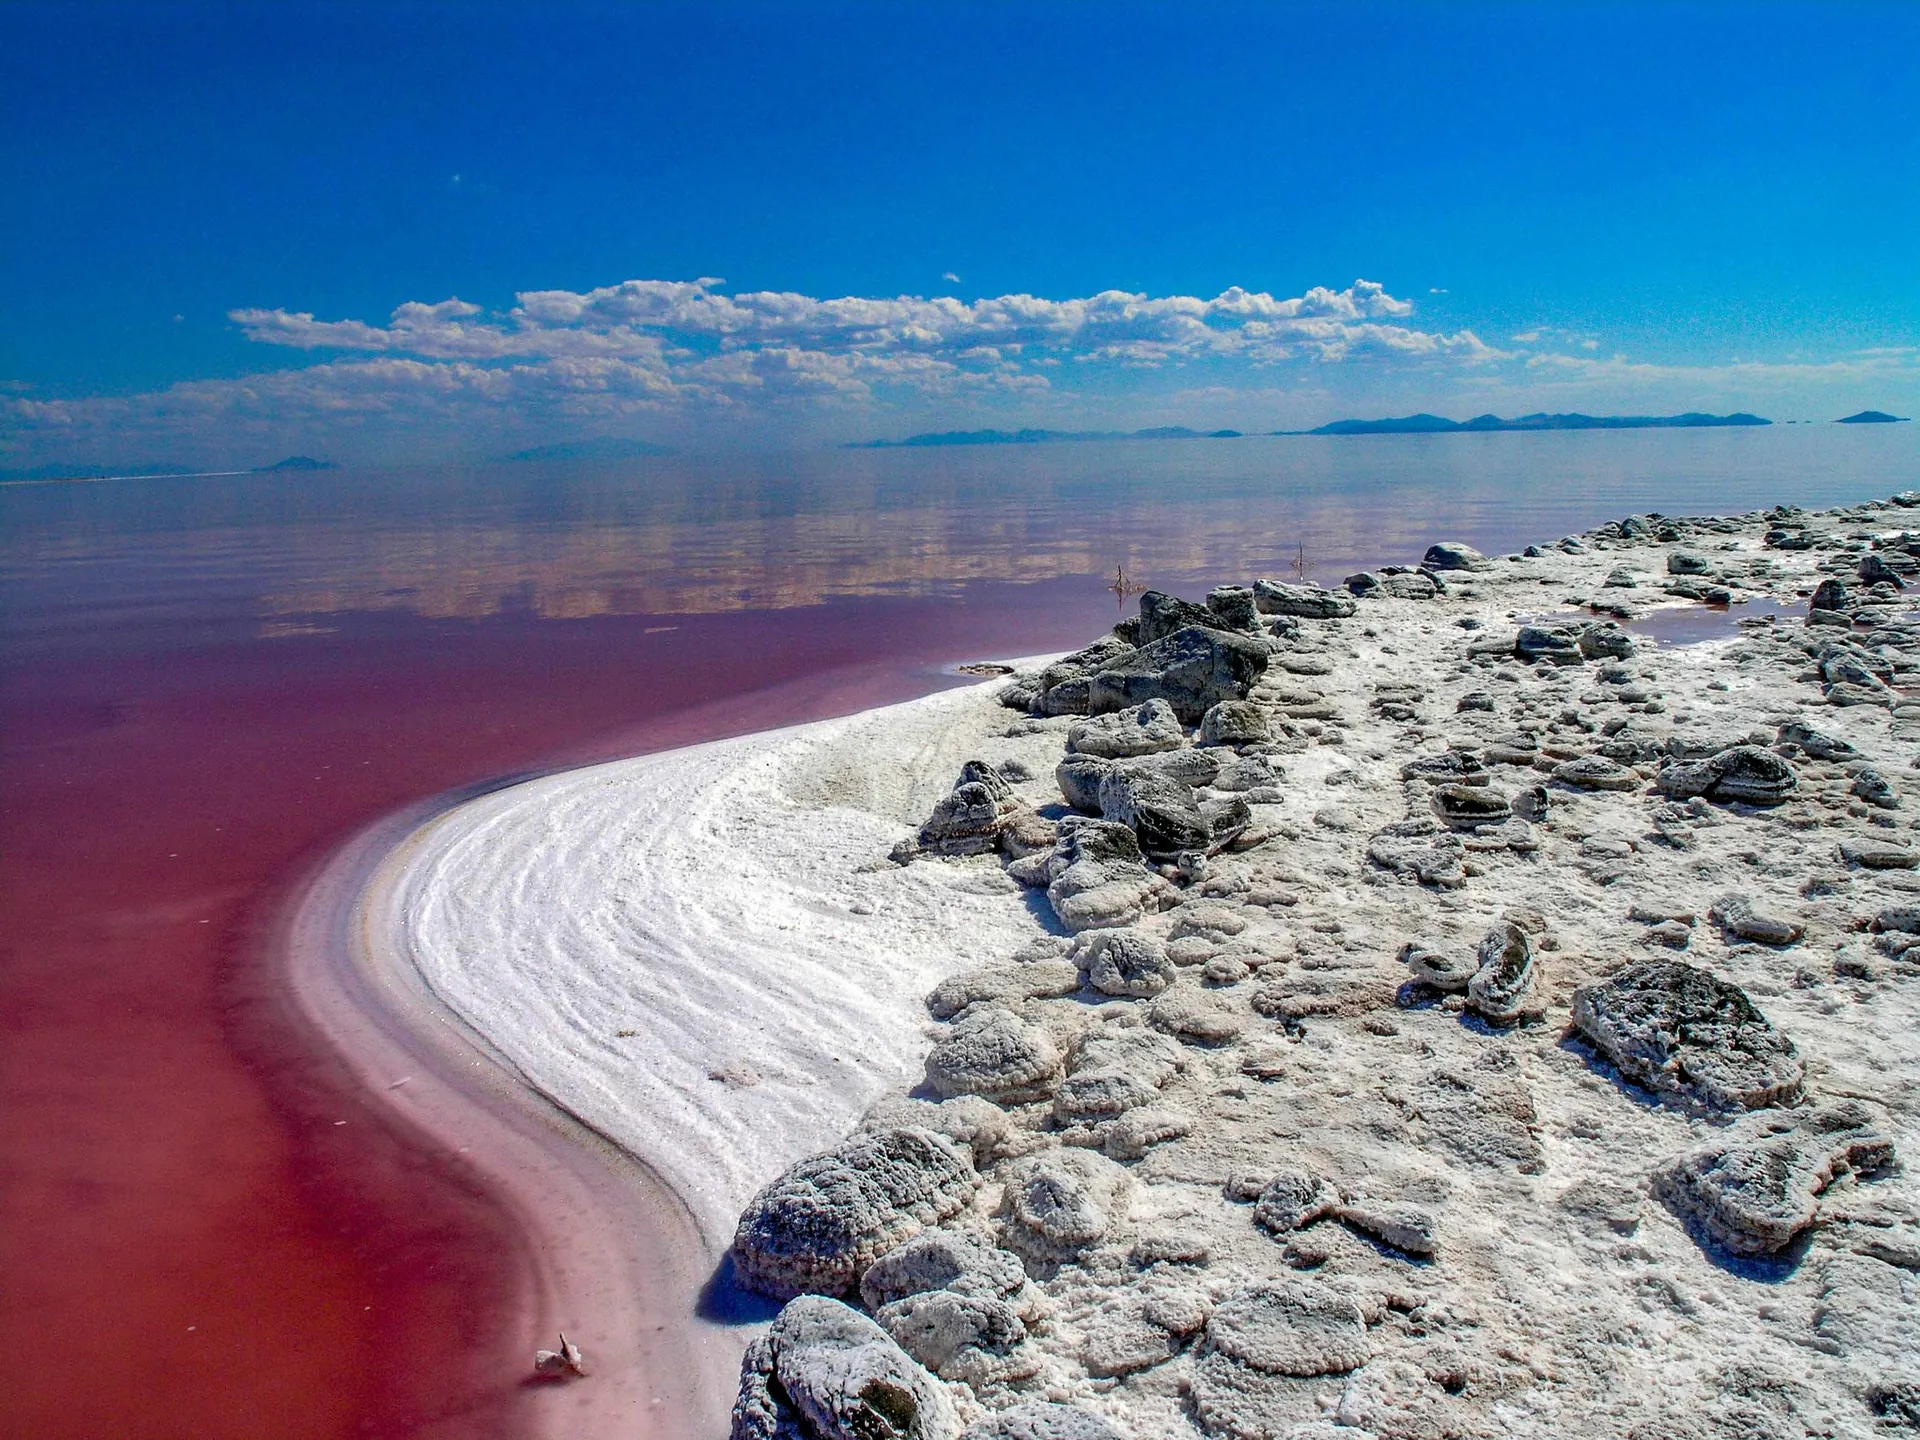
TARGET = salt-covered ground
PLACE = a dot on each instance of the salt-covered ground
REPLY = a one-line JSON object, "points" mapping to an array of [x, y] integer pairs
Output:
{"points": [[703, 954], [707, 956]]}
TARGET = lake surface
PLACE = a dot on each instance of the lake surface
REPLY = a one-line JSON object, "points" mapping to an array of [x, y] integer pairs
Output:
{"points": [[210, 683]]}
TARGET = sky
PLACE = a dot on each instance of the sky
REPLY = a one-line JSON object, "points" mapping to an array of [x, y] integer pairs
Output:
{"points": [[418, 232]]}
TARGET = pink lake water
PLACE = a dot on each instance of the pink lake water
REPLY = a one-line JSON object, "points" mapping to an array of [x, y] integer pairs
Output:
{"points": [[205, 685]]}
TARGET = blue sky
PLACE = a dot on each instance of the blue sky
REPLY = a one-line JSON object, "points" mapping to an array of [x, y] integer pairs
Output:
{"points": [[1603, 207]]}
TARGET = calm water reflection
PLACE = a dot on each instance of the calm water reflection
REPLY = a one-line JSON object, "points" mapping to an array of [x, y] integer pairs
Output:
{"points": [[282, 554]]}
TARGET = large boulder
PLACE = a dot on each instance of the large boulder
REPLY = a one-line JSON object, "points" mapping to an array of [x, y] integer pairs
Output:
{"points": [[969, 818], [818, 1226], [1309, 602], [1061, 688], [1162, 812], [1162, 614], [1233, 608], [1193, 669], [1754, 1188], [1127, 963], [1677, 1030], [1555, 644], [824, 1371], [1450, 555], [1142, 731]]}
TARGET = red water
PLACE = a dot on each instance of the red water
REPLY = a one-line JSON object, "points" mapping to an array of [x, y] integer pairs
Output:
{"points": [[190, 1240]]}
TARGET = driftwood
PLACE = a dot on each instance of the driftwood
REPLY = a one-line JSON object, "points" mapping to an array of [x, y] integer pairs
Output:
{"points": [[565, 1363]]}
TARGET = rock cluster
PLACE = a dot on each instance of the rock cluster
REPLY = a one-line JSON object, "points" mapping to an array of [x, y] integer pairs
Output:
{"points": [[1440, 990]]}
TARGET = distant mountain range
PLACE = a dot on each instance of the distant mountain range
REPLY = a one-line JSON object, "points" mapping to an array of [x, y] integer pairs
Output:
{"points": [[1871, 417], [1440, 425], [295, 462], [605, 448], [1039, 437]]}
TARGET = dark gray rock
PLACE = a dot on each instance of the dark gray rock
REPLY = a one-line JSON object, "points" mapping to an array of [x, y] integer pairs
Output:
{"points": [[1469, 806], [1675, 1029], [1409, 585], [1233, 608], [1192, 669], [1450, 555], [1557, 644], [1755, 1188], [1817, 743], [1096, 876], [1460, 767], [1606, 641], [1832, 595], [1162, 614], [1595, 772], [1685, 562], [818, 1226], [1744, 774], [1068, 675], [1163, 813], [824, 1371], [1502, 982], [970, 818]]}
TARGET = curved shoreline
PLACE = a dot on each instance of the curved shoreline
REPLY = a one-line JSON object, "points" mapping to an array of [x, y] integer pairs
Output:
{"points": [[607, 1241]]}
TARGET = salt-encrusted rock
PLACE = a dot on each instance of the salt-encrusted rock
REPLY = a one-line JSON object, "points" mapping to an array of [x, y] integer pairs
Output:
{"points": [[1449, 555], [1458, 767], [1874, 570], [1685, 562], [1557, 645], [565, 1363], [1235, 722], [941, 1260], [1874, 788], [1060, 1202], [1062, 686], [1096, 877], [1228, 818], [1817, 743], [1606, 641], [1744, 774], [1409, 1229], [1233, 607], [1193, 669], [1502, 982], [978, 1126], [1433, 859], [971, 1338], [1163, 813], [1125, 962], [1878, 855], [1439, 969], [1113, 1072], [824, 1371], [1408, 585], [997, 1054], [1294, 1199], [1737, 916], [1162, 614], [1139, 1130], [1309, 602], [1079, 777], [820, 1224], [1289, 1327], [1003, 985], [969, 819], [1257, 777], [1467, 806], [1195, 1016], [1755, 1188], [1042, 1420], [1595, 772], [1142, 731], [1675, 1029], [1830, 594]]}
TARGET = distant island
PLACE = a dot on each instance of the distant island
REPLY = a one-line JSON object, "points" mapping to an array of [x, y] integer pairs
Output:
{"points": [[1871, 417], [605, 448], [1039, 437], [1440, 425], [295, 462]]}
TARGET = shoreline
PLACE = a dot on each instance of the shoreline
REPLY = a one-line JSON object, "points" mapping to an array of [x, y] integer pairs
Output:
{"points": [[592, 1270]]}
